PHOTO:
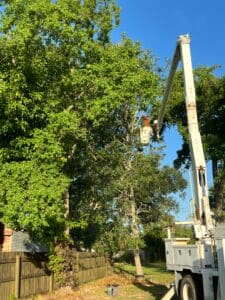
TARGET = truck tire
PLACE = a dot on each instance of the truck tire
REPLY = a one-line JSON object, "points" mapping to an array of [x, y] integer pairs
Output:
{"points": [[189, 289]]}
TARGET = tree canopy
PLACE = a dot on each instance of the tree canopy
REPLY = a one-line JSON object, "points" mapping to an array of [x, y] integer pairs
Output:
{"points": [[69, 98]]}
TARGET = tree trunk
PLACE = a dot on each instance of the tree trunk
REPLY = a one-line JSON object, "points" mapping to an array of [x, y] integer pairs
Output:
{"points": [[130, 194], [135, 234]]}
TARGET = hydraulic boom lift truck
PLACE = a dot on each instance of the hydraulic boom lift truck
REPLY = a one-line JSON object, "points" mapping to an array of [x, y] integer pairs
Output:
{"points": [[199, 268]]}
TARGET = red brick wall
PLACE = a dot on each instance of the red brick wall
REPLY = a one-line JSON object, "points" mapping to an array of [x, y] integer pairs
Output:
{"points": [[5, 238]]}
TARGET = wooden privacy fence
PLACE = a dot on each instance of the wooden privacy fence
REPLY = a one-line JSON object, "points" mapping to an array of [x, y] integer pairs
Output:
{"points": [[90, 266], [26, 274], [23, 274]]}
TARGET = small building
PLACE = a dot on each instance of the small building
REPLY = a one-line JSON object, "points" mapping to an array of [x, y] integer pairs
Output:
{"points": [[18, 241]]}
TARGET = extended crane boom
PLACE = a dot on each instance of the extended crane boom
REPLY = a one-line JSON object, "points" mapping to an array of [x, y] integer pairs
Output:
{"points": [[198, 265], [203, 221]]}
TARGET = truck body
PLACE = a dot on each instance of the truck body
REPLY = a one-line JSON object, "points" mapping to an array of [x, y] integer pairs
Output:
{"points": [[199, 268]]}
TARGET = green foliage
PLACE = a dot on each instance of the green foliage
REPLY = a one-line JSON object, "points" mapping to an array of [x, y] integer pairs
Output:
{"points": [[32, 198], [154, 236], [114, 239], [154, 185], [57, 266], [185, 231]]}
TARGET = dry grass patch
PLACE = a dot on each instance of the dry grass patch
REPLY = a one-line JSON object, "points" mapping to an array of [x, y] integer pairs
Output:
{"points": [[153, 287], [128, 290], [89, 291]]}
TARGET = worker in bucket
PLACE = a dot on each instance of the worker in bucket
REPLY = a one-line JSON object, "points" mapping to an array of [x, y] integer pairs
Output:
{"points": [[146, 131]]}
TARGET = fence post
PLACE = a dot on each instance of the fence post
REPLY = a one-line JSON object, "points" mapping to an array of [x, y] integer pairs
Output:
{"points": [[51, 282], [17, 276], [107, 265]]}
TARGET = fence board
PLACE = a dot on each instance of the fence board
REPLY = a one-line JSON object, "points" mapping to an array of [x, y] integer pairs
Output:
{"points": [[7, 272], [6, 290], [26, 274], [31, 286]]}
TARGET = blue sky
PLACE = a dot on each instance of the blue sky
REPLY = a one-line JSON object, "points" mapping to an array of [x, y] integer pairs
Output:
{"points": [[157, 24]]}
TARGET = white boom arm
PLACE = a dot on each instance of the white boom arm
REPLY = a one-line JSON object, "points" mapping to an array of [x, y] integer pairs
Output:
{"points": [[202, 208]]}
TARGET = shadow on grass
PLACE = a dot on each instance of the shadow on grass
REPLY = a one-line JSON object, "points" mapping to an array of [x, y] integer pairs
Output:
{"points": [[156, 290]]}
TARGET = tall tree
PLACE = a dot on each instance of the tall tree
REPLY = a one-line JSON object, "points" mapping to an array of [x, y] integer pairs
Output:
{"points": [[109, 190], [133, 79], [48, 94]]}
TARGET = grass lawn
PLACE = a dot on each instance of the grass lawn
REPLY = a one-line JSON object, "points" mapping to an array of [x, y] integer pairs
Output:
{"points": [[154, 272], [153, 287]]}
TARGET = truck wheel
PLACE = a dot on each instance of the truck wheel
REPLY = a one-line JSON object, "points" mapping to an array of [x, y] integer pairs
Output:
{"points": [[188, 288]]}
